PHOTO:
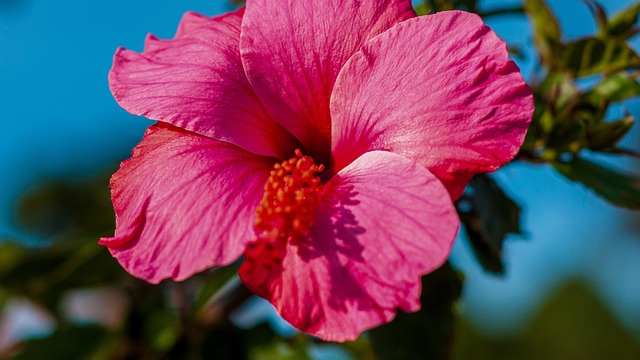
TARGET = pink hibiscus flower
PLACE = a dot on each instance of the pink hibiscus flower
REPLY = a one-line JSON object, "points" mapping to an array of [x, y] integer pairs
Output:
{"points": [[392, 114]]}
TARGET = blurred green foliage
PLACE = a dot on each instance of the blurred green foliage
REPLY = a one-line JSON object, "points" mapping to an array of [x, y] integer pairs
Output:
{"points": [[570, 123], [429, 333], [78, 342], [577, 82], [572, 324]]}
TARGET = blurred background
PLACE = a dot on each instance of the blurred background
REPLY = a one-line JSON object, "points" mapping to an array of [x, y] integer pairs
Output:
{"points": [[569, 285]]}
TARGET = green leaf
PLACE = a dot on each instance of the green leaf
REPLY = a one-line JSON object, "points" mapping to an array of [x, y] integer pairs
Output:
{"points": [[546, 29], [488, 216], [605, 135], [617, 87], [617, 188], [621, 24], [428, 333], [591, 56], [559, 90]]}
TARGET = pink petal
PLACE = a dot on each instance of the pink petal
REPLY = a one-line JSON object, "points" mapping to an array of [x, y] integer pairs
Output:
{"points": [[196, 82], [183, 203], [383, 223], [293, 50], [438, 89]]}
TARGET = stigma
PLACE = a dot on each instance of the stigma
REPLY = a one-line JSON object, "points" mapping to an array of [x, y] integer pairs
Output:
{"points": [[287, 209]]}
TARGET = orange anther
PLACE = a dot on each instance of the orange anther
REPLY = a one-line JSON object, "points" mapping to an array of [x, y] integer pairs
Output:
{"points": [[288, 206]]}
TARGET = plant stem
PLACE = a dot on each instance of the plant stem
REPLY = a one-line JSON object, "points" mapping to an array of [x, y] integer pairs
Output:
{"points": [[222, 303]]}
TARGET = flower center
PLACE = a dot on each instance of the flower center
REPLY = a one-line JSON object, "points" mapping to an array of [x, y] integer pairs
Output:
{"points": [[287, 208]]}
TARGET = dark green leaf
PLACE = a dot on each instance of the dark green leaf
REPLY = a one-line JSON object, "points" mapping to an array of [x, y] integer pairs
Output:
{"points": [[598, 12], [227, 342], [11, 254], [546, 29], [488, 259], [619, 189], [67, 208], [488, 216], [570, 130], [74, 343], [621, 24], [427, 334], [440, 5], [591, 56], [467, 5], [605, 135], [161, 330], [535, 134], [4, 296], [502, 11]]}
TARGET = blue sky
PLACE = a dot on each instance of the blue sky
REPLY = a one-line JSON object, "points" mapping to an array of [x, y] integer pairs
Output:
{"points": [[59, 120]]}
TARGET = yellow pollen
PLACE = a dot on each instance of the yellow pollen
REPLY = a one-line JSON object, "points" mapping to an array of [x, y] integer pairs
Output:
{"points": [[290, 199]]}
